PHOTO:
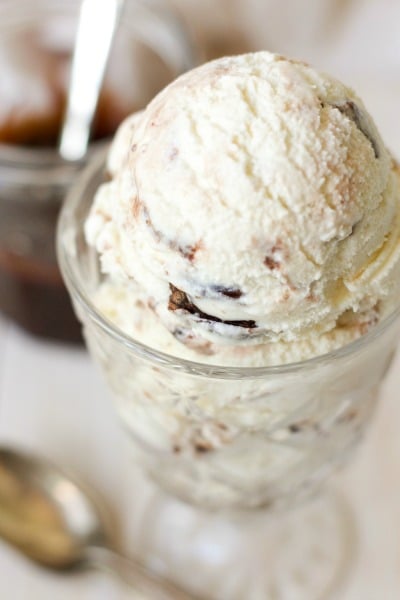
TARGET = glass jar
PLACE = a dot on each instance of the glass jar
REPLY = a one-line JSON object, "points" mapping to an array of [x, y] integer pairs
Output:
{"points": [[34, 179]]}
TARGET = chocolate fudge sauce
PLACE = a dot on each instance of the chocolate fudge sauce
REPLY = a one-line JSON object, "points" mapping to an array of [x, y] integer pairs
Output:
{"points": [[32, 292]]}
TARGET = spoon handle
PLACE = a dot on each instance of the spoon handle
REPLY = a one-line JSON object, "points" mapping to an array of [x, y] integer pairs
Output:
{"points": [[97, 24], [147, 584]]}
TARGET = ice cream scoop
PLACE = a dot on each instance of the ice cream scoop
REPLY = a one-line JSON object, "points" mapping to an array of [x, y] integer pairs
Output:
{"points": [[253, 202]]}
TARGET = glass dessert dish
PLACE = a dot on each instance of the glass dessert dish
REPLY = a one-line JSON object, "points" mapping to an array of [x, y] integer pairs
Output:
{"points": [[35, 42], [236, 440]]}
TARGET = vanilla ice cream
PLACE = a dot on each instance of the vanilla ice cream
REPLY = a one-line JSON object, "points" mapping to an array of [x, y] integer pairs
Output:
{"points": [[253, 203], [250, 218]]}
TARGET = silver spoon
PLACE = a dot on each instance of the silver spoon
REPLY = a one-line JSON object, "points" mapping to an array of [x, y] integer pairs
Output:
{"points": [[50, 519], [98, 22]]}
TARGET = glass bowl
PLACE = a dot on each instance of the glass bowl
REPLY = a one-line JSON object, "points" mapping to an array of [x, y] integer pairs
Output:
{"points": [[221, 436], [238, 442]]}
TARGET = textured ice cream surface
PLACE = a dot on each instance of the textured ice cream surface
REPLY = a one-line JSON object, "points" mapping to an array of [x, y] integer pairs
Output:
{"points": [[252, 216]]}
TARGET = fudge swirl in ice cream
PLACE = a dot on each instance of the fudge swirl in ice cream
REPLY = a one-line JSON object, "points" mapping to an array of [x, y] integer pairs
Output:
{"points": [[252, 216]]}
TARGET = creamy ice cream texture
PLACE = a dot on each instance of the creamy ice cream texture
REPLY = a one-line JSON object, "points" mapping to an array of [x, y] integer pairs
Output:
{"points": [[252, 216]]}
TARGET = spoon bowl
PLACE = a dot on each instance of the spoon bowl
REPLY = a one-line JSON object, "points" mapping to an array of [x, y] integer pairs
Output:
{"points": [[45, 514], [54, 521]]}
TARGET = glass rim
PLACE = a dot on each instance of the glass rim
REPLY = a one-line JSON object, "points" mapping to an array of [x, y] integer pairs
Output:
{"points": [[79, 294]]}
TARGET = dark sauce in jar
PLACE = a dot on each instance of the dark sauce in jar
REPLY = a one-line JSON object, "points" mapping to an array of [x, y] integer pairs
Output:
{"points": [[32, 292]]}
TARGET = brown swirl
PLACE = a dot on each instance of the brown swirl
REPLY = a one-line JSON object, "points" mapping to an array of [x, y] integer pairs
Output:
{"points": [[178, 300]]}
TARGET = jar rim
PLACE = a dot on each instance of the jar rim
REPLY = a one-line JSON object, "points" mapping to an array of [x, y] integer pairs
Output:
{"points": [[34, 164], [66, 231]]}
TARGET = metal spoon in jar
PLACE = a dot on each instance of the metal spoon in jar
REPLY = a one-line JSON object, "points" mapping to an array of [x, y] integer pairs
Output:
{"points": [[50, 519], [98, 22]]}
